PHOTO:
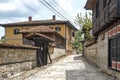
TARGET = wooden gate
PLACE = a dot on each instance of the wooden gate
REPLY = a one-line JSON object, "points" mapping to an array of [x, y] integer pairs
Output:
{"points": [[42, 52]]}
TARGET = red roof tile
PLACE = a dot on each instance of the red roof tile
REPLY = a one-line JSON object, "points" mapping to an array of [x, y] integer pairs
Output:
{"points": [[40, 29], [39, 23], [31, 35]]}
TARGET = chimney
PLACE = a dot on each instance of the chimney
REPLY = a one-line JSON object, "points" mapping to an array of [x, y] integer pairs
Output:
{"points": [[30, 18], [53, 17]]}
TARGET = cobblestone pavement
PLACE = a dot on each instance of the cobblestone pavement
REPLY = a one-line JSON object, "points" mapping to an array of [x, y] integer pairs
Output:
{"points": [[72, 67]]}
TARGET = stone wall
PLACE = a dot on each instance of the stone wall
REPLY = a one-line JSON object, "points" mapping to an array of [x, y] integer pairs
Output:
{"points": [[91, 53], [102, 56], [58, 52], [15, 59], [98, 54]]}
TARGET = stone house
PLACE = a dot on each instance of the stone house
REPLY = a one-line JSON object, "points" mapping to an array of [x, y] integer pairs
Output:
{"points": [[104, 52], [64, 28]]}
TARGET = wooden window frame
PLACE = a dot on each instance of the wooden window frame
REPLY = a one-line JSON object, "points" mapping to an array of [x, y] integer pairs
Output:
{"points": [[114, 52], [16, 31], [104, 3], [73, 34], [97, 10], [58, 29]]}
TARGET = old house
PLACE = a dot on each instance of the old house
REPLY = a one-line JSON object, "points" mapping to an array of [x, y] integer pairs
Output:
{"points": [[105, 53], [64, 28]]}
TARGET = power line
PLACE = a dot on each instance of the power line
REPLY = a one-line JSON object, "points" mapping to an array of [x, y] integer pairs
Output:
{"points": [[62, 9], [53, 9], [50, 9], [32, 8]]}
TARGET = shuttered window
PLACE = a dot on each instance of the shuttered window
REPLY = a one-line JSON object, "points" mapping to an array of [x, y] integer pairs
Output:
{"points": [[114, 53]]}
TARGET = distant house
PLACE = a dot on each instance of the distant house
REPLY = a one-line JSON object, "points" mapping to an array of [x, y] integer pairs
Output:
{"points": [[106, 29], [64, 28]]}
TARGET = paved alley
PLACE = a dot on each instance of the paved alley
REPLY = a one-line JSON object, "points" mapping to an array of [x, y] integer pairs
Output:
{"points": [[72, 67]]}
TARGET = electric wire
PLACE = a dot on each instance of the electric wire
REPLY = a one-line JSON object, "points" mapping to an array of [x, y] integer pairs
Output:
{"points": [[62, 10], [50, 9], [32, 8]]}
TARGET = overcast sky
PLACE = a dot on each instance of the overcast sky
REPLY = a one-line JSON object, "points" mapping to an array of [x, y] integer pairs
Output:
{"points": [[20, 10]]}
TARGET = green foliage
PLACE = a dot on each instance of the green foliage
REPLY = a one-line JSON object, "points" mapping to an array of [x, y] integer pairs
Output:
{"points": [[2, 39], [76, 44], [85, 23]]}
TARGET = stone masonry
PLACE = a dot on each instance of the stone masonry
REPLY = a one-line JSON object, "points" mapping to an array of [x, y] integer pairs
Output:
{"points": [[98, 54], [15, 60], [58, 52], [91, 53]]}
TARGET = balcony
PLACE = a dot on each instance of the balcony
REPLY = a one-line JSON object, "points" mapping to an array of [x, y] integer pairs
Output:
{"points": [[108, 15]]}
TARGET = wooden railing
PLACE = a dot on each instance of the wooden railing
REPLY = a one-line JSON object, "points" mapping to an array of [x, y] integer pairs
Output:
{"points": [[108, 15]]}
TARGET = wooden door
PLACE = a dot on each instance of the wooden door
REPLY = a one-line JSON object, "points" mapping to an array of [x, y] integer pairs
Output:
{"points": [[42, 53]]}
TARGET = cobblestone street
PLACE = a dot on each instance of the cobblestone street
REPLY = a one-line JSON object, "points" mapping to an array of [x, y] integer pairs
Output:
{"points": [[72, 67]]}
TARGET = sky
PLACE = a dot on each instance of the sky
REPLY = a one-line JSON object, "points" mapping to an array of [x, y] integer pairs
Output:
{"points": [[20, 10]]}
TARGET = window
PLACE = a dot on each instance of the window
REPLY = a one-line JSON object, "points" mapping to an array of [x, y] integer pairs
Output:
{"points": [[114, 53], [108, 1], [73, 34], [16, 31], [104, 3], [58, 29], [97, 10]]}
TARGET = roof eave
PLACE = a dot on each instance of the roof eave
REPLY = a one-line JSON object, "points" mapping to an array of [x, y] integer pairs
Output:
{"points": [[37, 24], [69, 24], [89, 4], [29, 24]]}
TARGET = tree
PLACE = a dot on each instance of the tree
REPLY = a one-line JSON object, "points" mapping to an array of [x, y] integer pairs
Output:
{"points": [[76, 44], [85, 23], [2, 39]]}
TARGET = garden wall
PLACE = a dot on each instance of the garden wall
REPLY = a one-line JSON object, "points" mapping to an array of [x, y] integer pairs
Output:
{"points": [[15, 59]]}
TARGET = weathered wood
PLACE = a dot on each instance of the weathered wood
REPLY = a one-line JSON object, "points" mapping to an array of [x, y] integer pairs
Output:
{"points": [[109, 13]]}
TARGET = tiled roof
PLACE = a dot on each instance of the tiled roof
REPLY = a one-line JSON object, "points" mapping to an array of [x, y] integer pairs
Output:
{"points": [[39, 23], [31, 35], [40, 29], [2, 45]]}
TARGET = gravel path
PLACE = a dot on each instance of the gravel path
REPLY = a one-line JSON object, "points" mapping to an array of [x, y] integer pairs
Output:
{"points": [[72, 67]]}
